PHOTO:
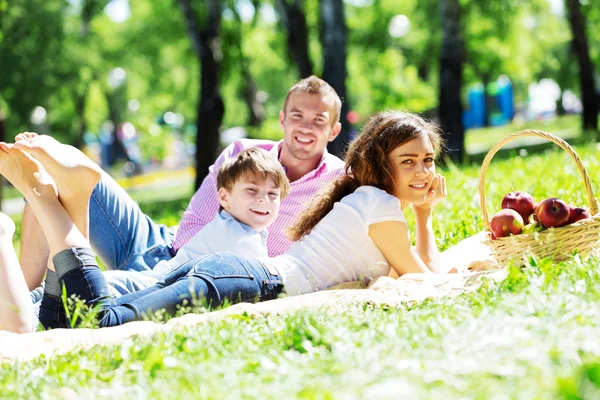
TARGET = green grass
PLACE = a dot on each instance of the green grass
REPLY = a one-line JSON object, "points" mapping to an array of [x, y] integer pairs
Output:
{"points": [[145, 195], [482, 139], [532, 336]]}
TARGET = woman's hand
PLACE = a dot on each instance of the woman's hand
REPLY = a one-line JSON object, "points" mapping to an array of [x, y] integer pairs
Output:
{"points": [[437, 192]]}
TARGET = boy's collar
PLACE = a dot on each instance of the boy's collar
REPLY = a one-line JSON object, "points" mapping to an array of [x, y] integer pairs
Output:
{"points": [[226, 215]]}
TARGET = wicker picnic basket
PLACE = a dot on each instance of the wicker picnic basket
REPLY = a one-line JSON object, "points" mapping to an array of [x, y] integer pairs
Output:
{"points": [[581, 237]]}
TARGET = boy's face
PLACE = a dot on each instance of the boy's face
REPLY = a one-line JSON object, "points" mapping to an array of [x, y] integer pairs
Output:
{"points": [[253, 201]]}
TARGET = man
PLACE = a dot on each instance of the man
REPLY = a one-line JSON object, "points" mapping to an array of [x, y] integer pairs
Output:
{"points": [[128, 240]]}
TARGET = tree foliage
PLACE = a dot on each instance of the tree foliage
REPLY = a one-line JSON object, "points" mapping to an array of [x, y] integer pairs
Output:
{"points": [[57, 54]]}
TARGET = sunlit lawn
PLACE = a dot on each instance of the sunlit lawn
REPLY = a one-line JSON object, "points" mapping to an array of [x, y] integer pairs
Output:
{"points": [[533, 336], [529, 337], [482, 139]]}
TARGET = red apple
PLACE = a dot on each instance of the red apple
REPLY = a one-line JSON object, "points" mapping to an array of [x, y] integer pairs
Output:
{"points": [[505, 222], [535, 210], [577, 214], [521, 202], [553, 213]]}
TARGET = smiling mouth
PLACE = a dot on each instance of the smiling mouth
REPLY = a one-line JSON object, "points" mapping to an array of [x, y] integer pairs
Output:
{"points": [[304, 140], [419, 186], [259, 212]]}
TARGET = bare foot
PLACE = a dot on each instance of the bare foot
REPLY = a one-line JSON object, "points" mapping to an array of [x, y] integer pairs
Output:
{"points": [[25, 173], [74, 173], [25, 136]]}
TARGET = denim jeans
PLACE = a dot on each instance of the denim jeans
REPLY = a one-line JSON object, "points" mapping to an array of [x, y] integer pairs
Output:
{"points": [[121, 234], [215, 278], [126, 240]]}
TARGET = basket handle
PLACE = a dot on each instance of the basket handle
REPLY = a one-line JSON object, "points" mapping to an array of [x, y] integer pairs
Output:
{"points": [[593, 203]]}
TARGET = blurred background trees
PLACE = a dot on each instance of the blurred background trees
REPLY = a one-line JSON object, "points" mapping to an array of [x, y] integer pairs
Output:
{"points": [[180, 78]]}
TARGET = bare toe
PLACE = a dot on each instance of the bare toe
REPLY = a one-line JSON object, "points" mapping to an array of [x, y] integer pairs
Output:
{"points": [[5, 146], [25, 136]]}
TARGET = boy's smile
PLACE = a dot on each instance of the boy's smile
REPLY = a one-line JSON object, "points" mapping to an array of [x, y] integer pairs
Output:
{"points": [[253, 201]]}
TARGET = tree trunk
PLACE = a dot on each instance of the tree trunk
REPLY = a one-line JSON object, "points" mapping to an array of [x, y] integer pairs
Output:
{"points": [[3, 134], [80, 111], [451, 67], [211, 108], [560, 109], [89, 10], [423, 71], [487, 106], [424, 65], [333, 39], [586, 69], [256, 109], [294, 21], [115, 105]]}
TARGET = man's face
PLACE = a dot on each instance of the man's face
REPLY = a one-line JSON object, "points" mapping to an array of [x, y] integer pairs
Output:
{"points": [[307, 125], [253, 201]]}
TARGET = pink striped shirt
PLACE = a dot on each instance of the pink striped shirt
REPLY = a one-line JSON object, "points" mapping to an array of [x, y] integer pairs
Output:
{"points": [[204, 205]]}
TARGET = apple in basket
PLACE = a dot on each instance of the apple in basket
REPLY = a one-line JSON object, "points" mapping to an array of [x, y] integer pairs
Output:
{"points": [[505, 222], [552, 213], [521, 202], [577, 214]]}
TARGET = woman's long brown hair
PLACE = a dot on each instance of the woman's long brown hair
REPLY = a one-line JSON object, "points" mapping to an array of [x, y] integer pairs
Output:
{"points": [[366, 163]]}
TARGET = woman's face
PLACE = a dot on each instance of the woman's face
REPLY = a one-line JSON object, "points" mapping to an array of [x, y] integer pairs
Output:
{"points": [[413, 169]]}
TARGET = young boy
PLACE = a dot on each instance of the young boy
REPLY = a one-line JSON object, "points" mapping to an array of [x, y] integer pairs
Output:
{"points": [[250, 189]]}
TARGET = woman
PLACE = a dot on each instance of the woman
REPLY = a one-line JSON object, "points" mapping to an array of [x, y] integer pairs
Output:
{"points": [[354, 230]]}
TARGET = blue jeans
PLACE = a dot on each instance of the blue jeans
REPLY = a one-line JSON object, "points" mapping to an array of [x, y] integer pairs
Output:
{"points": [[215, 278], [121, 234], [125, 239]]}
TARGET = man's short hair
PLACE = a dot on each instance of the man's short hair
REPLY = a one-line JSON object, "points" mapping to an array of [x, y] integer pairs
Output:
{"points": [[253, 161], [315, 85]]}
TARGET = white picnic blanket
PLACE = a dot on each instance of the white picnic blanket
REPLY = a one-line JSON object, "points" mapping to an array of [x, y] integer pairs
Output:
{"points": [[383, 291]]}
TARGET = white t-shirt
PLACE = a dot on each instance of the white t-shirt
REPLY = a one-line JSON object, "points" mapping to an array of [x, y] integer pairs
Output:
{"points": [[339, 248], [223, 234]]}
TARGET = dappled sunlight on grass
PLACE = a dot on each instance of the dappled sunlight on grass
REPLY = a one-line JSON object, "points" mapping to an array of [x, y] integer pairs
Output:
{"points": [[568, 125], [533, 335]]}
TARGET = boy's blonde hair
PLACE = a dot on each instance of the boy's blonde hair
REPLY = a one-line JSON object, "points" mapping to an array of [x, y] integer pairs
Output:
{"points": [[253, 161]]}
